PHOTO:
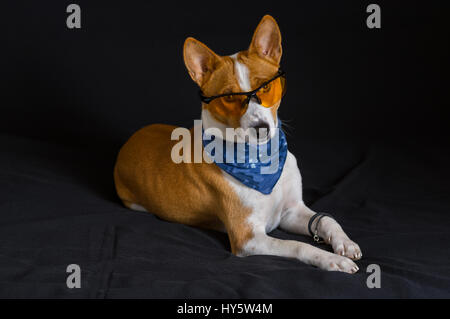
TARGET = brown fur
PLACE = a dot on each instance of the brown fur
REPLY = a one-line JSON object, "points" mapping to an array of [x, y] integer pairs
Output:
{"points": [[190, 193], [196, 193]]}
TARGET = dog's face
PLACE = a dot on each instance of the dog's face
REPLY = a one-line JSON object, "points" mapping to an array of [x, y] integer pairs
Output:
{"points": [[242, 72]]}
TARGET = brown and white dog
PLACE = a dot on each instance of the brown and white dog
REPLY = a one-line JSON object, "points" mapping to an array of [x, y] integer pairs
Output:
{"points": [[201, 194]]}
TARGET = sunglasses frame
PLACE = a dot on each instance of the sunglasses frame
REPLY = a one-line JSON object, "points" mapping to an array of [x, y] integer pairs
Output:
{"points": [[250, 95]]}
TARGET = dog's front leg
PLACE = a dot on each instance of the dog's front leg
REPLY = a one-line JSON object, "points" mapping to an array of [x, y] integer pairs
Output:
{"points": [[262, 244], [296, 219]]}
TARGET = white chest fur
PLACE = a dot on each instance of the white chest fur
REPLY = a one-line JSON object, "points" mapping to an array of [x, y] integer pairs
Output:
{"points": [[267, 210]]}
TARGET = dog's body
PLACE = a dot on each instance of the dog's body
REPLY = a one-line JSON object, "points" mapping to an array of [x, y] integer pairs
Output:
{"points": [[201, 194]]}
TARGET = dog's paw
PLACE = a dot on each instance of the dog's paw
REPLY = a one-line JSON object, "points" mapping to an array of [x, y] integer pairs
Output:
{"points": [[333, 262], [343, 246]]}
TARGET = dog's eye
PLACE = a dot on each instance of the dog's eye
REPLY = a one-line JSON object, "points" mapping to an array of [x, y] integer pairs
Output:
{"points": [[229, 98], [266, 88]]}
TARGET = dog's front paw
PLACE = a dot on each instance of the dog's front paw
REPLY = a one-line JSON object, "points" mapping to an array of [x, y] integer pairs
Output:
{"points": [[333, 262], [343, 246], [333, 234]]}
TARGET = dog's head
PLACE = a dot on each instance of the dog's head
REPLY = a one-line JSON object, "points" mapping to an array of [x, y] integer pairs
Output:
{"points": [[243, 72]]}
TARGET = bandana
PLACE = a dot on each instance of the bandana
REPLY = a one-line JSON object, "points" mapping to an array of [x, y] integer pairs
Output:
{"points": [[256, 166]]}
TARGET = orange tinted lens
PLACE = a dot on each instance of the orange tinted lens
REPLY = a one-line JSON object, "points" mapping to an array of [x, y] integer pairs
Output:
{"points": [[272, 92]]}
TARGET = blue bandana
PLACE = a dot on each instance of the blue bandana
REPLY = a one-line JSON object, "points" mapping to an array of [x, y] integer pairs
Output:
{"points": [[256, 166]]}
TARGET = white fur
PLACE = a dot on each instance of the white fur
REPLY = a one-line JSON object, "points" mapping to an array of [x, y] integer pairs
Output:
{"points": [[137, 207], [255, 112], [208, 121], [270, 209], [242, 74]]}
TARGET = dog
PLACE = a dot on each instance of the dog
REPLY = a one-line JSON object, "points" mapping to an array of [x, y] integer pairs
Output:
{"points": [[204, 194]]}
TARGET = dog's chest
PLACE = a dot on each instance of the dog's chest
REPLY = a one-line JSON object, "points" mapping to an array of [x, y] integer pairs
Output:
{"points": [[267, 210]]}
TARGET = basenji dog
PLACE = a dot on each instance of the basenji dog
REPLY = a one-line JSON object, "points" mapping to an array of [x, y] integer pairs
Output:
{"points": [[239, 91]]}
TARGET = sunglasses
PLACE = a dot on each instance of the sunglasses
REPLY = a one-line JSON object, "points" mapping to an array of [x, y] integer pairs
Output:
{"points": [[267, 94]]}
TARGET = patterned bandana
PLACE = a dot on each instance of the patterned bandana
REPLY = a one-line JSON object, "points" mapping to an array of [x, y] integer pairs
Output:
{"points": [[256, 166]]}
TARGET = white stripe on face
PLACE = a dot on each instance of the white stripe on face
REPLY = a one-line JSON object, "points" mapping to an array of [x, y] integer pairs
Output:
{"points": [[242, 75], [255, 113]]}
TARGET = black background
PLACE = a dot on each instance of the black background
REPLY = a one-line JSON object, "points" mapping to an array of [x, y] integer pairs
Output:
{"points": [[124, 68], [367, 109]]}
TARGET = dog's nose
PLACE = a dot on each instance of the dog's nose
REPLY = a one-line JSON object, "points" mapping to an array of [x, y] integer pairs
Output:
{"points": [[262, 130]]}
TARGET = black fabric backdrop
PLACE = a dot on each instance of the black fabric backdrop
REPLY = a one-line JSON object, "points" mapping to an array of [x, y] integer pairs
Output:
{"points": [[368, 121]]}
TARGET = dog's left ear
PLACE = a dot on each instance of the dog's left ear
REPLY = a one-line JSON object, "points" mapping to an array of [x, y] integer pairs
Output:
{"points": [[199, 60], [266, 40]]}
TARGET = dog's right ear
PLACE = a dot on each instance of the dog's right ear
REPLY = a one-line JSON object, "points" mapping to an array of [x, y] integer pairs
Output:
{"points": [[199, 60]]}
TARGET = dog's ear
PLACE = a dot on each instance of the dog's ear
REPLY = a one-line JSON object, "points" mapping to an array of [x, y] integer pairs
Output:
{"points": [[199, 60], [266, 40]]}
